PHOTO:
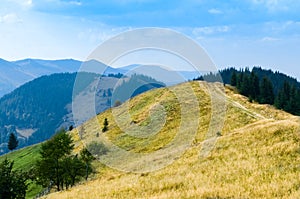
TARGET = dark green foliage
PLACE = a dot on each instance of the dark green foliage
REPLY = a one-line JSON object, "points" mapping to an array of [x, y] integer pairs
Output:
{"points": [[73, 169], [97, 149], [254, 91], [13, 184], [87, 158], [266, 92], [233, 80], [105, 125], [53, 152], [244, 87], [71, 128], [263, 86], [288, 99], [12, 142], [104, 129], [39, 105]]}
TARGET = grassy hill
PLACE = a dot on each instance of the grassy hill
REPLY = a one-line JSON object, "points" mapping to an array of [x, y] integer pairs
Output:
{"points": [[257, 156]]}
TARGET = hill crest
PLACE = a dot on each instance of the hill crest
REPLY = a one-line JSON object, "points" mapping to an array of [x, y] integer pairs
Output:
{"points": [[256, 154]]}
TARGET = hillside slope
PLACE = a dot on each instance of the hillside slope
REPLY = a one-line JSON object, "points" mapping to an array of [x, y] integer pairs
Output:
{"points": [[257, 155], [38, 108]]}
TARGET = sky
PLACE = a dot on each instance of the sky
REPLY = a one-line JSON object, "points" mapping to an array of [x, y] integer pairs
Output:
{"points": [[237, 33]]}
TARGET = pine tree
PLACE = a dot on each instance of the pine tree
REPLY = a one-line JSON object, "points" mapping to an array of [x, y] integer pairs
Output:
{"points": [[233, 80], [291, 102], [254, 83], [245, 85], [266, 91], [240, 78], [283, 99], [105, 125], [12, 142]]}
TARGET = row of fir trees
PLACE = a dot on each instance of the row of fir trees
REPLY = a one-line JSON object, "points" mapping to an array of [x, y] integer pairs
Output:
{"points": [[262, 90]]}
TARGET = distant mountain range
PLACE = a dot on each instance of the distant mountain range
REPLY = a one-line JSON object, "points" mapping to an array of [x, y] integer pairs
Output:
{"points": [[14, 74], [37, 109]]}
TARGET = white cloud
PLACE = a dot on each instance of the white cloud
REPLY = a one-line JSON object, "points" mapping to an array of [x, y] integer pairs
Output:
{"points": [[23, 3], [215, 11], [77, 3], [277, 5], [10, 18], [269, 39], [209, 30], [100, 34]]}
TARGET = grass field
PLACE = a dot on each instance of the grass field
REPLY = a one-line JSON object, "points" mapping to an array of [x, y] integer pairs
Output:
{"points": [[24, 159], [257, 156]]}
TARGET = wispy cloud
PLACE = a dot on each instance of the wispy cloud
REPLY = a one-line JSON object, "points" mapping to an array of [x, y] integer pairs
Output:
{"points": [[215, 11], [269, 39], [10, 18], [22, 3], [210, 30], [277, 5]]}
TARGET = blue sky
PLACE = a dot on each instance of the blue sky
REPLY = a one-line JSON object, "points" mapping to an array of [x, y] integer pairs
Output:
{"points": [[234, 33]]}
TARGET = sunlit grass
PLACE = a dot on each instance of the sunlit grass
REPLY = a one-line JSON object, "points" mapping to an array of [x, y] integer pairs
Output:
{"points": [[257, 156]]}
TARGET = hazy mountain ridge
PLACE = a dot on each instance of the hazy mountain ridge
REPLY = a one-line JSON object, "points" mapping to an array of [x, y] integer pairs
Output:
{"points": [[37, 109], [15, 73]]}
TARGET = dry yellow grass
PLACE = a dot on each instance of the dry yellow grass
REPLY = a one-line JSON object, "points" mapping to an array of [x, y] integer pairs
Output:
{"points": [[257, 156]]}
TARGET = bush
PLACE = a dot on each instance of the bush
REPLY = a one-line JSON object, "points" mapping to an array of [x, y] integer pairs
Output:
{"points": [[97, 148]]}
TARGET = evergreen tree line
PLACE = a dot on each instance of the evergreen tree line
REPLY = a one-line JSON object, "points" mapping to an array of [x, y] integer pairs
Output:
{"points": [[251, 86], [262, 86]]}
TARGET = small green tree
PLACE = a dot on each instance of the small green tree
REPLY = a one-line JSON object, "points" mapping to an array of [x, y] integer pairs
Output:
{"points": [[87, 158], [13, 184], [105, 125], [73, 170], [12, 142], [49, 168], [71, 128]]}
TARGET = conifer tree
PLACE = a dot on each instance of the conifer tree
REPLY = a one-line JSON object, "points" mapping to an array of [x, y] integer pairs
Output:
{"points": [[233, 80], [12, 142], [266, 91], [254, 84]]}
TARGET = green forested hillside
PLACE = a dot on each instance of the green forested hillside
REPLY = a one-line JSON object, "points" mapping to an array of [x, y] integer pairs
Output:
{"points": [[263, 86], [35, 110]]}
